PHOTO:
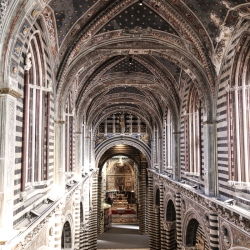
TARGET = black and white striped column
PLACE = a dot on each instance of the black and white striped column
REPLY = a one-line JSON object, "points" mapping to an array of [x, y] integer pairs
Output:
{"points": [[170, 235], [85, 224], [58, 228], [150, 211], [93, 214], [81, 244], [178, 220], [214, 231], [99, 206], [77, 218], [142, 199], [162, 219]]}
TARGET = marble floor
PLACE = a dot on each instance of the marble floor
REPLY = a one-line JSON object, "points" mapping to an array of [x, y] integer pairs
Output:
{"points": [[123, 236]]}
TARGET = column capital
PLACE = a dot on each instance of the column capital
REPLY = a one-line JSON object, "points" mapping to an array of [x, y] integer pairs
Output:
{"points": [[9, 91], [59, 122]]}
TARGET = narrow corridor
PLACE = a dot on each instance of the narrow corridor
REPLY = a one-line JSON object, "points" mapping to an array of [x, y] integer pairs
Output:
{"points": [[122, 236]]}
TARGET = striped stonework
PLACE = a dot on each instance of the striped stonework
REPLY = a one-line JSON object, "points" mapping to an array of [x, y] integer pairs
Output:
{"points": [[226, 145], [162, 218], [170, 235], [20, 207], [178, 220], [99, 206], [58, 228], [142, 198], [76, 203], [151, 219], [93, 213], [214, 233]]}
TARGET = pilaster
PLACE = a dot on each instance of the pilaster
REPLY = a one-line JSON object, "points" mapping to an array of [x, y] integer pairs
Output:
{"points": [[214, 230], [58, 228], [86, 150], [78, 154], [178, 220], [60, 157], [7, 161], [209, 164], [159, 154], [176, 156]]}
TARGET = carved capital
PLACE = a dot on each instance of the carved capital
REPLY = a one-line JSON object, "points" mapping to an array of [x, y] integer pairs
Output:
{"points": [[9, 91], [27, 62]]}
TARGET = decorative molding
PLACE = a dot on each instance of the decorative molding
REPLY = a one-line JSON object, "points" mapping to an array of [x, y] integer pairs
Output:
{"points": [[235, 88], [226, 236], [169, 225], [3, 10], [136, 32], [48, 17], [60, 122], [9, 91]]}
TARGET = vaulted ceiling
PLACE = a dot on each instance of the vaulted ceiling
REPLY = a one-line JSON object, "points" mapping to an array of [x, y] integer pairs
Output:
{"points": [[131, 56]]}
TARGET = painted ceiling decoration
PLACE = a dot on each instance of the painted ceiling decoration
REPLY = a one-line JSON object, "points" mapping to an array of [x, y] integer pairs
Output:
{"points": [[174, 69], [129, 64], [67, 13], [138, 15], [212, 13], [125, 89], [124, 55]]}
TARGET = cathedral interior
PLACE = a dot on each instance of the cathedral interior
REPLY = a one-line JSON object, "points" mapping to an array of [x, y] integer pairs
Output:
{"points": [[125, 111]]}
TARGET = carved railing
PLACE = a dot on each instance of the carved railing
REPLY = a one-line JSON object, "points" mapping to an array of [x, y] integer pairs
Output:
{"points": [[234, 214]]}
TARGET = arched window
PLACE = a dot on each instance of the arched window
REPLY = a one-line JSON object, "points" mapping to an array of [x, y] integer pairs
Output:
{"points": [[171, 220], [192, 125], [238, 111], [38, 116]]}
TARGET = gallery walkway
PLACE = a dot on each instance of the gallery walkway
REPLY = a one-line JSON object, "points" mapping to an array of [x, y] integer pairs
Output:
{"points": [[123, 236]]}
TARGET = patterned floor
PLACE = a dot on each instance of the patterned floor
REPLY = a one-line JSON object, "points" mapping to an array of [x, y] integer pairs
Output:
{"points": [[122, 236]]}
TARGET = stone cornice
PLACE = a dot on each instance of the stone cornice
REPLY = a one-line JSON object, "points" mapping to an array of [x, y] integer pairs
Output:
{"points": [[9, 91]]}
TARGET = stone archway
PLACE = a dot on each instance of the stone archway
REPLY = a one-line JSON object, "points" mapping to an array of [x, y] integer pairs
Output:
{"points": [[191, 233], [66, 238], [170, 226]]}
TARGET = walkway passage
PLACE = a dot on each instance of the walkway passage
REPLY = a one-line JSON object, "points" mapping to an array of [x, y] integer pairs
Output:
{"points": [[123, 236]]}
